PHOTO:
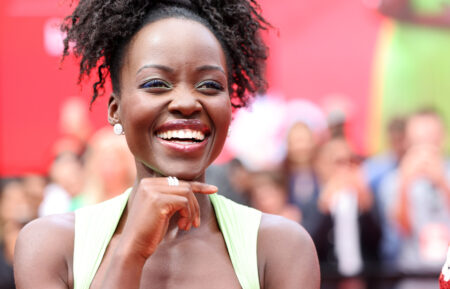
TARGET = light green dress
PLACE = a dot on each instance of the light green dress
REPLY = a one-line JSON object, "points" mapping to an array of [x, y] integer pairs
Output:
{"points": [[413, 68], [95, 225]]}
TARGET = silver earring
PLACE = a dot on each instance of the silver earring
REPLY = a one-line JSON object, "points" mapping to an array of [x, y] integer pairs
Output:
{"points": [[229, 132], [118, 129]]}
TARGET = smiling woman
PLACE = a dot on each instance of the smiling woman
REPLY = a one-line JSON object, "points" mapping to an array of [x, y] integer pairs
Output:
{"points": [[177, 69]]}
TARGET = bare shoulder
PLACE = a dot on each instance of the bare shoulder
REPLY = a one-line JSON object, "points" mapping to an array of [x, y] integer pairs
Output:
{"points": [[44, 252], [286, 255]]}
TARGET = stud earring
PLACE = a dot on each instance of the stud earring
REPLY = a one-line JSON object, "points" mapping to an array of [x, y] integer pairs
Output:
{"points": [[118, 129]]}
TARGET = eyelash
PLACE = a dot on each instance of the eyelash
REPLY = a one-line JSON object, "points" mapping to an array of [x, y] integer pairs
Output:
{"points": [[210, 85], [155, 83], [207, 85]]}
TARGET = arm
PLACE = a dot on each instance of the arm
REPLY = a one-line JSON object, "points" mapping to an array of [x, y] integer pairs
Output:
{"points": [[401, 10], [287, 255], [42, 252]]}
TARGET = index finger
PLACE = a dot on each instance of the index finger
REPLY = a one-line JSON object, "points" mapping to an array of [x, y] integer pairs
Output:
{"points": [[203, 188]]}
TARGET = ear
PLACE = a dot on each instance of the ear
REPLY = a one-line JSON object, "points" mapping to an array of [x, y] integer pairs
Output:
{"points": [[113, 109]]}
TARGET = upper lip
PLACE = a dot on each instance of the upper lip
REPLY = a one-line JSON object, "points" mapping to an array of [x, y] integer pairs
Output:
{"points": [[192, 124]]}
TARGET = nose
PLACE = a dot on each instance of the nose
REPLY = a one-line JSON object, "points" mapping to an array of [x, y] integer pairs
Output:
{"points": [[184, 102]]}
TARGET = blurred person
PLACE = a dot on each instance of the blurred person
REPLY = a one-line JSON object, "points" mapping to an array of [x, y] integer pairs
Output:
{"points": [[268, 194], [233, 178], [14, 202], [75, 127], [66, 182], [412, 62], [34, 186], [416, 199], [303, 187], [348, 233], [376, 168], [108, 171], [380, 165], [15, 212]]}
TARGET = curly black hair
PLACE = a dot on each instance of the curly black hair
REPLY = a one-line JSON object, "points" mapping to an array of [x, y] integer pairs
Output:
{"points": [[100, 30]]}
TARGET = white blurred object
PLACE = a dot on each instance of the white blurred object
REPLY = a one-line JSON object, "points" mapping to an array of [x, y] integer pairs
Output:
{"points": [[56, 201], [53, 37], [446, 267], [258, 134], [346, 233]]}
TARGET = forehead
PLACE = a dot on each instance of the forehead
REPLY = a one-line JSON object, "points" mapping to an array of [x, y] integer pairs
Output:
{"points": [[424, 123], [173, 42]]}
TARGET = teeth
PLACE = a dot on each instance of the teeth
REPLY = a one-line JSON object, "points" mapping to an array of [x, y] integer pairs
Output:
{"points": [[181, 134]]}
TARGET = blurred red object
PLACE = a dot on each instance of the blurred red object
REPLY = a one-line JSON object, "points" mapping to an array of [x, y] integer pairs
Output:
{"points": [[442, 283]]}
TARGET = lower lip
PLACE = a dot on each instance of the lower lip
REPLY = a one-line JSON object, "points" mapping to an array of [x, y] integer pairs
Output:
{"points": [[184, 148]]}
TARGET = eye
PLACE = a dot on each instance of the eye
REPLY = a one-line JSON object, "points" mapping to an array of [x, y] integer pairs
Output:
{"points": [[156, 84], [210, 87]]}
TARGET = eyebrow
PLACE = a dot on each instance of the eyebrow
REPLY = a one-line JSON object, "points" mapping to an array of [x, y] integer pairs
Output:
{"points": [[170, 70], [158, 66], [210, 67]]}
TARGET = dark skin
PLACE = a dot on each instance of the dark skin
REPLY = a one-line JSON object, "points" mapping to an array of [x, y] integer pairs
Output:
{"points": [[402, 11], [168, 236]]}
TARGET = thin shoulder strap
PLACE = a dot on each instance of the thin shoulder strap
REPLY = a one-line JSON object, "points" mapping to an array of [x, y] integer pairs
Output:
{"points": [[239, 225], [94, 228]]}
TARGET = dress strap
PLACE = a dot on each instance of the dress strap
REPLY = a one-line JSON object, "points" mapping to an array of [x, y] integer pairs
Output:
{"points": [[94, 228], [239, 225]]}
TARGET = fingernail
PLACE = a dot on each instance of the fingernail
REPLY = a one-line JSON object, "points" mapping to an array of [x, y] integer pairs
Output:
{"points": [[213, 187], [197, 222]]}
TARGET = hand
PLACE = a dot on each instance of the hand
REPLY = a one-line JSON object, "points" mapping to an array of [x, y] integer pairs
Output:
{"points": [[422, 161], [154, 204], [348, 179]]}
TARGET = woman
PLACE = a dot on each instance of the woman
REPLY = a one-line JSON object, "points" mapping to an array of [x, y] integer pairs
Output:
{"points": [[177, 68]]}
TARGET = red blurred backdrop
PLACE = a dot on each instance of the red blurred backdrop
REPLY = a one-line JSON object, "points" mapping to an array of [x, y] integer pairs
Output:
{"points": [[319, 48]]}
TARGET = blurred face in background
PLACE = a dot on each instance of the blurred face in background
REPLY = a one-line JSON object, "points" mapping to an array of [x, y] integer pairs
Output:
{"points": [[267, 195], [110, 161], [300, 145], [74, 119], [15, 212], [14, 204], [34, 186], [333, 157], [67, 171], [425, 130], [396, 136]]}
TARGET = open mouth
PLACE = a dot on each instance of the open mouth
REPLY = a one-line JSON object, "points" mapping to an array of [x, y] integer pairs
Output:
{"points": [[182, 136], [183, 132]]}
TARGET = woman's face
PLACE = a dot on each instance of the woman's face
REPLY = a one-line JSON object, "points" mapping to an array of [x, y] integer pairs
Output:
{"points": [[174, 103]]}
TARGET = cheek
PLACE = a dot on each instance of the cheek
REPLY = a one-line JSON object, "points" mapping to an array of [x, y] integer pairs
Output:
{"points": [[222, 116], [137, 117]]}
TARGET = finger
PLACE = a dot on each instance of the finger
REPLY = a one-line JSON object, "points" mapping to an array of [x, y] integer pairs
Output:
{"points": [[180, 204], [197, 187], [194, 210], [171, 204], [203, 188], [197, 215], [184, 190]]}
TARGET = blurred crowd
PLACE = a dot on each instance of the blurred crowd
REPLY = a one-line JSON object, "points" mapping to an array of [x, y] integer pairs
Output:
{"points": [[377, 221]]}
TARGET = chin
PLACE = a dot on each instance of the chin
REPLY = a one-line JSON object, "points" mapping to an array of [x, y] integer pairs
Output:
{"points": [[188, 172], [183, 171]]}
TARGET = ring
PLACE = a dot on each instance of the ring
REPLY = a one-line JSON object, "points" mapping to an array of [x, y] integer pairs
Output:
{"points": [[173, 181]]}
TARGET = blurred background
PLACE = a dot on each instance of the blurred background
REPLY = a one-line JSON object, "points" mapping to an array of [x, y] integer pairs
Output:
{"points": [[351, 139]]}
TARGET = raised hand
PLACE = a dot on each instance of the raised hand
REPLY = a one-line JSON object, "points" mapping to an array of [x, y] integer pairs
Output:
{"points": [[155, 203]]}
